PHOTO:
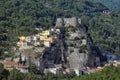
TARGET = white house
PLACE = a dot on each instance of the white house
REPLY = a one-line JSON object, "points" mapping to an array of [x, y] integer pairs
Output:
{"points": [[23, 69]]}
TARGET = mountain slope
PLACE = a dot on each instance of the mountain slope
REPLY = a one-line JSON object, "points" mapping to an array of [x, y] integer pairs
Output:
{"points": [[21, 17]]}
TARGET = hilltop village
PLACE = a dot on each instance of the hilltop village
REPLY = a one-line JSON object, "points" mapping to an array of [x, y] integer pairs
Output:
{"points": [[64, 49]]}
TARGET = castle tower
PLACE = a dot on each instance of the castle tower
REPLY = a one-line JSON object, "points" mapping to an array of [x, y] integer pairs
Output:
{"points": [[60, 22]]}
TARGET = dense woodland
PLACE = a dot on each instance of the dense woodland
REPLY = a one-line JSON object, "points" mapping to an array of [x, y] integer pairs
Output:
{"points": [[21, 17], [108, 73]]}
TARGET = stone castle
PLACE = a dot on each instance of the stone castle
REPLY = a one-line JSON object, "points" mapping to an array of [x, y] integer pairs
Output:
{"points": [[74, 21]]}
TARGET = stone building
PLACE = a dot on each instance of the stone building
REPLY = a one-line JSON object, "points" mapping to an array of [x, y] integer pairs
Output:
{"points": [[74, 21], [77, 60]]}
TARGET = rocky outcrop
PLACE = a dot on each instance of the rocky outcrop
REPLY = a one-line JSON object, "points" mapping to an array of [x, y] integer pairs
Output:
{"points": [[73, 47], [77, 60]]}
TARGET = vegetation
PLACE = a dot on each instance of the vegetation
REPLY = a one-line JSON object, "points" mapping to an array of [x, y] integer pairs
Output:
{"points": [[104, 30], [21, 17], [108, 73]]}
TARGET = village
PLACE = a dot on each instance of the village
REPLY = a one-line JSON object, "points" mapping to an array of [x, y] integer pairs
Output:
{"points": [[38, 48]]}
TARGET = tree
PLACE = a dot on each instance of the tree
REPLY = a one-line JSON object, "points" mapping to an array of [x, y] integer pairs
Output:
{"points": [[3, 72], [16, 75]]}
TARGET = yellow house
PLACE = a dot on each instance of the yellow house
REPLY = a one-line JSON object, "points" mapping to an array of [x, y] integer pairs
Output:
{"points": [[19, 44], [22, 38], [46, 32], [42, 37]]}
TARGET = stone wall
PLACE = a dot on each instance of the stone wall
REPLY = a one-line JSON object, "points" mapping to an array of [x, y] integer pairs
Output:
{"points": [[77, 60], [74, 21]]}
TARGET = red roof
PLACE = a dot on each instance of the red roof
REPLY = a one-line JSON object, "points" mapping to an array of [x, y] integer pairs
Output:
{"points": [[10, 63], [23, 67]]}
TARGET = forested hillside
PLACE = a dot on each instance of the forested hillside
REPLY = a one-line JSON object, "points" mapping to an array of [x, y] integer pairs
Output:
{"points": [[21, 17], [111, 4], [105, 31], [108, 73]]}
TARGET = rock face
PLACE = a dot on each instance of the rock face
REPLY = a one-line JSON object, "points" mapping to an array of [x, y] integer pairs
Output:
{"points": [[78, 47], [77, 60], [73, 48]]}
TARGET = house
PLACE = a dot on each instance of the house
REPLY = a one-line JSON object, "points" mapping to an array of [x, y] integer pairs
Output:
{"points": [[57, 30], [9, 65], [23, 69], [47, 32], [19, 44], [16, 59], [42, 37], [22, 44], [92, 70], [51, 70], [47, 43], [116, 63], [106, 11], [22, 38], [50, 39], [34, 38], [28, 39], [69, 71], [36, 43], [8, 59], [84, 42]]}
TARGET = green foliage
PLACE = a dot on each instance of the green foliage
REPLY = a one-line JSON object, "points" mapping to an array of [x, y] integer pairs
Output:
{"points": [[16, 75], [104, 30], [108, 73], [21, 17], [3, 72]]}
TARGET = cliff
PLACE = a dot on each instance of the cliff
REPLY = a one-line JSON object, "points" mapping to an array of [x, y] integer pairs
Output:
{"points": [[73, 48]]}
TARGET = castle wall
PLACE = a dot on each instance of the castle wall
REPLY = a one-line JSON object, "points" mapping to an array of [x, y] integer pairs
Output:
{"points": [[67, 22]]}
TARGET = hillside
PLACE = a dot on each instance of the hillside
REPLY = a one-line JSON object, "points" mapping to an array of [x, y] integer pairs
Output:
{"points": [[21, 17], [108, 73], [105, 31], [111, 4]]}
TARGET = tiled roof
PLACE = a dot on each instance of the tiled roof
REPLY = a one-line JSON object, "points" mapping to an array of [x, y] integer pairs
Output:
{"points": [[23, 67], [10, 63]]}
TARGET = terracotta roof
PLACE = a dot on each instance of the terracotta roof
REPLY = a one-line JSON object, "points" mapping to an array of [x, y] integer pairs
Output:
{"points": [[23, 67], [10, 63]]}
